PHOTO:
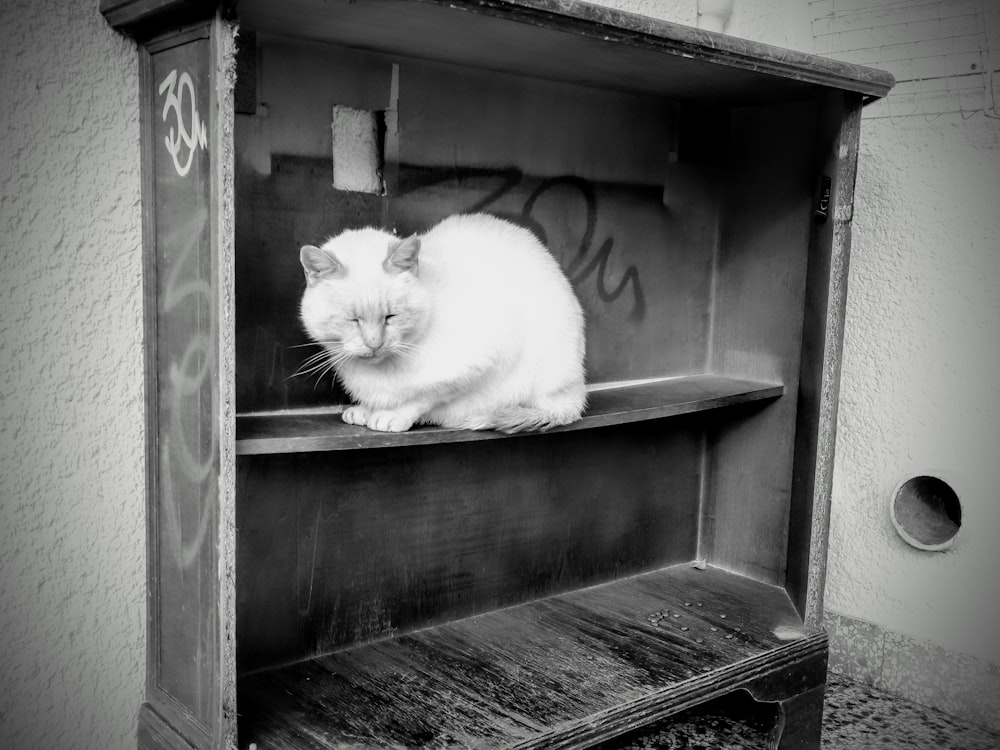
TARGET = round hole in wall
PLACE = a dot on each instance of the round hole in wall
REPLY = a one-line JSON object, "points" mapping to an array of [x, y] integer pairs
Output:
{"points": [[926, 512]]}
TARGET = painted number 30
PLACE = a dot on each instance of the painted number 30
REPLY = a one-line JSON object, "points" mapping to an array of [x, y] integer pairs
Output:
{"points": [[182, 139]]}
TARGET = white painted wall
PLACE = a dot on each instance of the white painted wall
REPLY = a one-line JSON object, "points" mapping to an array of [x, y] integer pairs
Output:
{"points": [[72, 527], [920, 383], [920, 388]]}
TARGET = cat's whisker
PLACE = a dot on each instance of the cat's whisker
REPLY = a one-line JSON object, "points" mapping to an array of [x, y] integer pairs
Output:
{"points": [[320, 365], [298, 374], [405, 350], [323, 354], [322, 374], [311, 343], [309, 370], [320, 357], [315, 358], [321, 362]]}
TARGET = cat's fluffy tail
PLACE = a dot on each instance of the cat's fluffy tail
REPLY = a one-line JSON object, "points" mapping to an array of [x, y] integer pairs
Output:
{"points": [[562, 408]]}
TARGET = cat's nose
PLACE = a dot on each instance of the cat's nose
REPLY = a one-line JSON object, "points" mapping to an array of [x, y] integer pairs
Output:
{"points": [[372, 336]]}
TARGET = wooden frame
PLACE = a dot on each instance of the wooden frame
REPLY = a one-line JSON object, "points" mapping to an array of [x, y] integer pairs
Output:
{"points": [[467, 582], [188, 295]]}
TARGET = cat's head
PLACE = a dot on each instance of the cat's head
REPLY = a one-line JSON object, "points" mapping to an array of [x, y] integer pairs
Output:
{"points": [[364, 300]]}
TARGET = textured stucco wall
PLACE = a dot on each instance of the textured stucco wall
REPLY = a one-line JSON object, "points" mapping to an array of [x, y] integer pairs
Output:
{"points": [[920, 390], [72, 541]]}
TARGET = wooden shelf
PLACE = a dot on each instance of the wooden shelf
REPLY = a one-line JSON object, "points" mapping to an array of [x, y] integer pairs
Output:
{"points": [[564, 671], [297, 431]]}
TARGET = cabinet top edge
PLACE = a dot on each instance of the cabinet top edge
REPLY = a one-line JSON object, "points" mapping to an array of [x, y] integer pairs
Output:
{"points": [[143, 19], [602, 28], [679, 39]]}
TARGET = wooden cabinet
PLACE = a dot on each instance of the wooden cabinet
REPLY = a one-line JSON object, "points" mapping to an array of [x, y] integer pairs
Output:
{"points": [[318, 585]]}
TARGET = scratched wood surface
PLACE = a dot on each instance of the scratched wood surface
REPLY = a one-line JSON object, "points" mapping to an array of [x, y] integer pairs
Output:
{"points": [[299, 430], [822, 343], [564, 671], [765, 223], [182, 292], [342, 547], [572, 41]]}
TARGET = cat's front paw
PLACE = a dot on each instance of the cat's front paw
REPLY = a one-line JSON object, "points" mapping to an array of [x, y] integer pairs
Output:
{"points": [[389, 421], [356, 415]]}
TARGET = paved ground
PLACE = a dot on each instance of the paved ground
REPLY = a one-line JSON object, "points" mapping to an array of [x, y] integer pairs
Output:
{"points": [[856, 717]]}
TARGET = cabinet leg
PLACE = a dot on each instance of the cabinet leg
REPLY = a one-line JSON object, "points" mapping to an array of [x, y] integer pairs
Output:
{"points": [[800, 722], [155, 733]]}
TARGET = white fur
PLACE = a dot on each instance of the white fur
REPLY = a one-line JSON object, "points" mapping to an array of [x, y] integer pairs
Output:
{"points": [[485, 332]]}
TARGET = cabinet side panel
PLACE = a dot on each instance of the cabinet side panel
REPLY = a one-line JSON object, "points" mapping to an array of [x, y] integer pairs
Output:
{"points": [[757, 326], [182, 306], [819, 385]]}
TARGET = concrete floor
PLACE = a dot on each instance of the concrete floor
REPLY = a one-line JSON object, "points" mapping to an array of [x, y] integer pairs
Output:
{"points": [[856, 717]]}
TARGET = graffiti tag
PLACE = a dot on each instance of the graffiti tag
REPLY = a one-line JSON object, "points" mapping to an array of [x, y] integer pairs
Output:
{"points": [[190, 444], [184, 138]]}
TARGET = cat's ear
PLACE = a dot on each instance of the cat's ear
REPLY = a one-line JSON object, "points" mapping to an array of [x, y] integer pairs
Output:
{"points": [[318, 263], [402, 255]]}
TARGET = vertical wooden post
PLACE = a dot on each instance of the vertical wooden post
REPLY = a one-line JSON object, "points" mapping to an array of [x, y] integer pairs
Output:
{"points": [[186, 84], [822, 349]]}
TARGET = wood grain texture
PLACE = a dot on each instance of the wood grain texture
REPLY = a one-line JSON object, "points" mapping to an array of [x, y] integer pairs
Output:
{"points": [[155, 733], [182, 308], [144, 19], [304, 430], [339, 548], [759, 298], [566, 671], [800, 722], [225, 65], [575, 42], [819, 372]]}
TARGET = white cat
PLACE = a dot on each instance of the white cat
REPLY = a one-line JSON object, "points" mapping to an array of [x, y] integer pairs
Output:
{"points": [[471, 325]]}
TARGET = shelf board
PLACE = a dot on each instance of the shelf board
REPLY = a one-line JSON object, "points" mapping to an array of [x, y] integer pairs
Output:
{"points": [[565, 671], [296, 431]]}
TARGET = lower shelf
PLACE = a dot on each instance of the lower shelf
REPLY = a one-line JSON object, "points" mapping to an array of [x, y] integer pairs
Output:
{"points": [[567, 671]]}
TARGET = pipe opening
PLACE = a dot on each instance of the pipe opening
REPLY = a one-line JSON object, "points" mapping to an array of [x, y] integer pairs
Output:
{"points": [[926, 512]]}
